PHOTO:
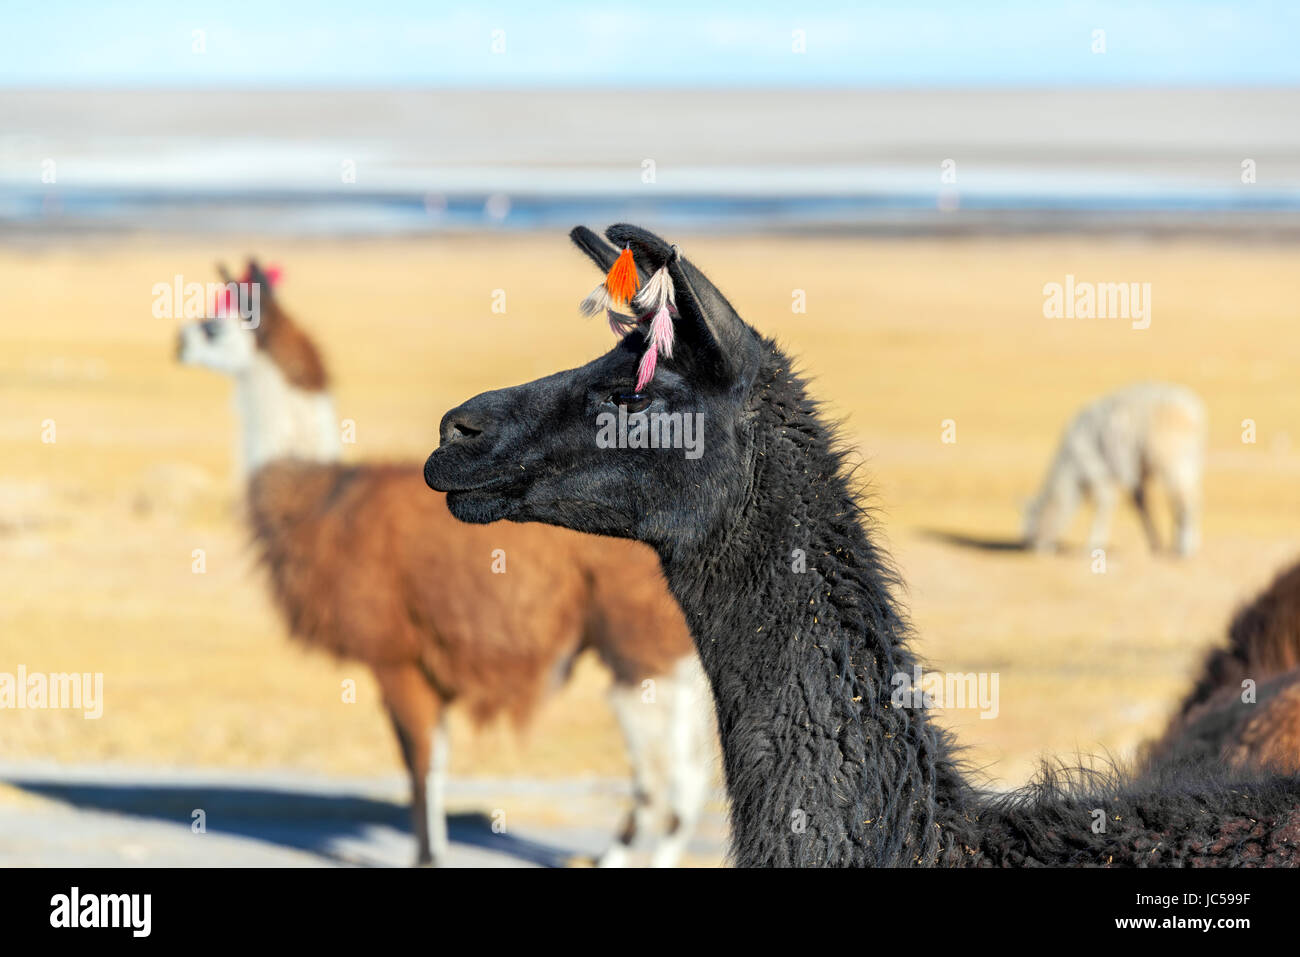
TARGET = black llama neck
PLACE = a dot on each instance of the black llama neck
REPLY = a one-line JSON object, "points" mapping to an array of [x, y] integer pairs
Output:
{"points": [[792, 611]]}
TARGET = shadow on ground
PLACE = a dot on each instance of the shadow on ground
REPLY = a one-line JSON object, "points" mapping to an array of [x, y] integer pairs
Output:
{"points": [[304, 821], [972, 541]]}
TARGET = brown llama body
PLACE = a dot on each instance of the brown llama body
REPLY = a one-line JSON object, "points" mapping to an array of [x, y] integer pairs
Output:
{"points": [[367, 563], [1214, 722], [1263, 641], [1263, 732]]}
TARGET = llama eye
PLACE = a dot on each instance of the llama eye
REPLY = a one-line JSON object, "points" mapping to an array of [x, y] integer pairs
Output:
{"points": [[635, 401], [211, 328]]}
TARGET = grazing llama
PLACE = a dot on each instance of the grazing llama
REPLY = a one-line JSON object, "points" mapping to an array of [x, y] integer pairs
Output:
{"points": [[366, 564], [791, 602], [1118, 444], [1217, 719]]}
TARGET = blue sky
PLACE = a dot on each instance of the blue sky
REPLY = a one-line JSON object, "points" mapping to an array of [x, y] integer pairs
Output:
{"points": [[663, 43]]}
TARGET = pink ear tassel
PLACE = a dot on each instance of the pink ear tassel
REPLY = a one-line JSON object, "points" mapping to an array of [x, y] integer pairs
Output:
{"points": [[655, 305], [221, 305], [646, 371], [661, 331]]}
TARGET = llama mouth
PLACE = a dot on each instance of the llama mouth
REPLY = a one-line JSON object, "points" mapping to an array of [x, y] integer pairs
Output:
{"points": [[487, 500], [482, 505], [505, 483], [441, 478]]}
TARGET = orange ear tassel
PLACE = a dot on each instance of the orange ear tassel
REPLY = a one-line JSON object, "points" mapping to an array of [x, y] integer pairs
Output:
{"points": [[622, 281]]}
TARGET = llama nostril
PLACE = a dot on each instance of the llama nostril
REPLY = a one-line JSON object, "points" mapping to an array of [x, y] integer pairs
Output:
{"points": [[461, 425]]}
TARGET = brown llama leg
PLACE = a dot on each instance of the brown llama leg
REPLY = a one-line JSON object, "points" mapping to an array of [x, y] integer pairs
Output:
{"points": [[415, 710]]}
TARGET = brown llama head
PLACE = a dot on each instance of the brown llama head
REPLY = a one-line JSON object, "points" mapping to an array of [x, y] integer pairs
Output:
{"points": [[247, 320]]}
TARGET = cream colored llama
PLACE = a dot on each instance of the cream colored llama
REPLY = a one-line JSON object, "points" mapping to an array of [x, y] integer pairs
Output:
{"points": [[1117, 445]]}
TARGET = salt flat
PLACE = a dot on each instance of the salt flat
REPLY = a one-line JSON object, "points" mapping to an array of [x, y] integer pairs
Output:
{"points": [[700, 141]]}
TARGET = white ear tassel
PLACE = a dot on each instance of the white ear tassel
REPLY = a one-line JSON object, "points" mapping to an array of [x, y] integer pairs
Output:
{"points": [[598, 301], [657, 293]]}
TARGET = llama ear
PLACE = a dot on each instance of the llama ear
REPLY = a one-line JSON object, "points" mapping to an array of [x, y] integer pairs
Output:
{"points": [[222, 303], [721, 346], [601, 252], [255, 274]]}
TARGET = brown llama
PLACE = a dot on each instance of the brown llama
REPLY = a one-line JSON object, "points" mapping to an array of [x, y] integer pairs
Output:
{"points": [[365, 562], [1219, 718]]}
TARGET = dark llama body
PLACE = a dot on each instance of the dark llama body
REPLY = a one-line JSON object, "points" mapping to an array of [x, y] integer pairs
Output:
{"points": [[803, 687], [821, 768], [810, 737]]}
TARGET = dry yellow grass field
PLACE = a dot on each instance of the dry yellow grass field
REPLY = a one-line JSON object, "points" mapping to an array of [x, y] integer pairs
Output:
{"points": [[97, 529]]}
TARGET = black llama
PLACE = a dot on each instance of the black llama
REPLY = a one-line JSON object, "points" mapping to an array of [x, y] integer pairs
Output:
{"points": [[821, 768]]}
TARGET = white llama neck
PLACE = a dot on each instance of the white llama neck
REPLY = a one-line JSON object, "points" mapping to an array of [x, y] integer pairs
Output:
{"points": [[280, 420]]}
